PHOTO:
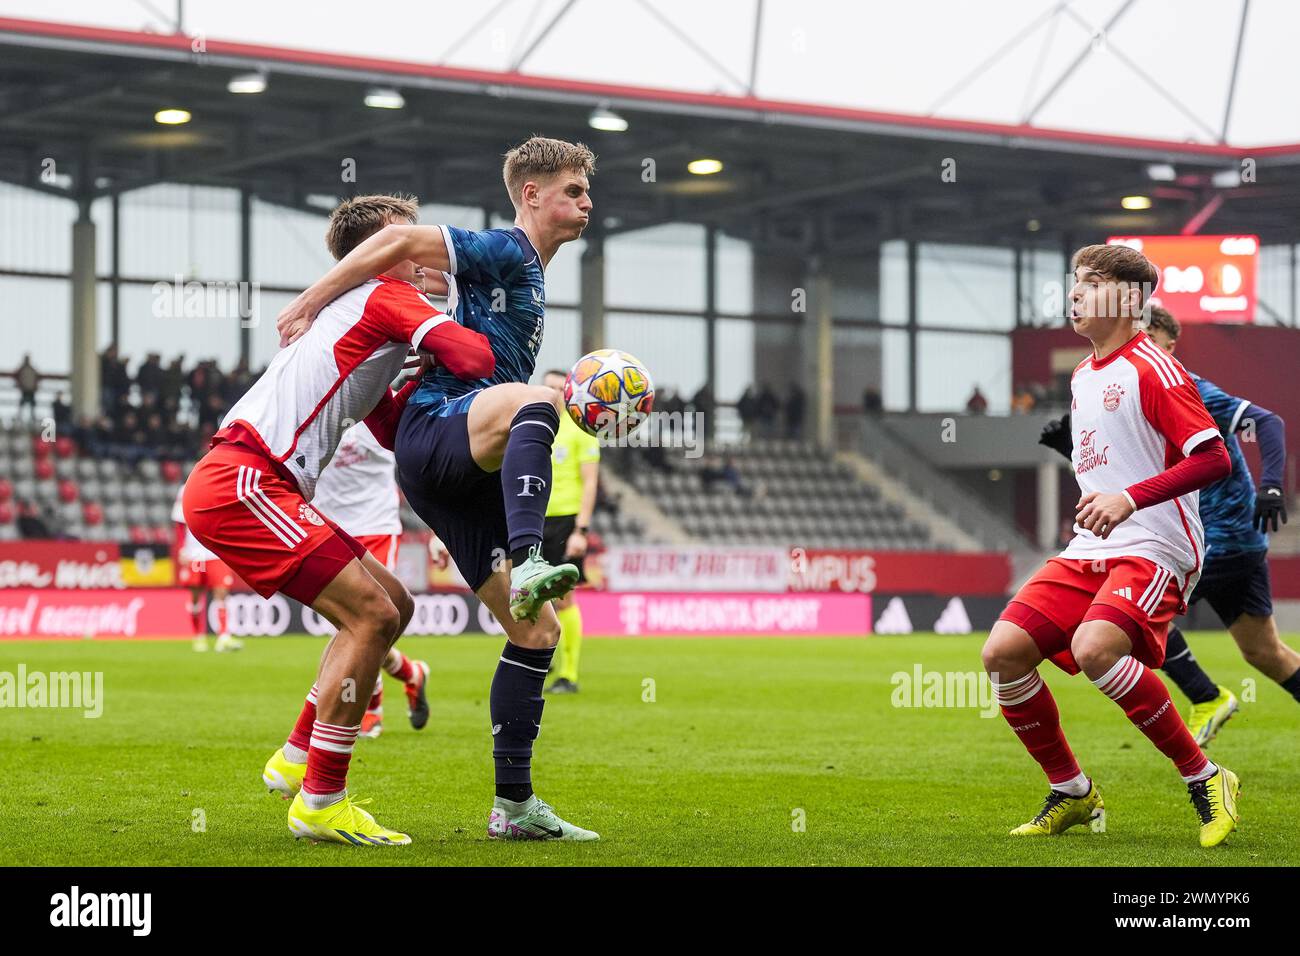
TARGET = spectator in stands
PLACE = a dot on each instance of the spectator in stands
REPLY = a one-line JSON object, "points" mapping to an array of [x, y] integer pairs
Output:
{"points": [[212, 411], [871, 402], [795, 401], [30, 523], [747, 409], [133, 442], [102, 436], [62, 414], [172, 380], [27, 379], [1022, 403], [769, 407], [200, 385], [149, 378], [977, 404], [725, 471], [702, 401], [114, 380], [237, 383], [671, 403]]}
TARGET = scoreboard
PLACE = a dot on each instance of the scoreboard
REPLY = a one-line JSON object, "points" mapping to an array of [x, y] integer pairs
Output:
{"points": [[1202, 278]]}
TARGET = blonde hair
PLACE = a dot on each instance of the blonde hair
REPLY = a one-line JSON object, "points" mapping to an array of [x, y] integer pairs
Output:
{"points": [[359, 218], [539, 157]]}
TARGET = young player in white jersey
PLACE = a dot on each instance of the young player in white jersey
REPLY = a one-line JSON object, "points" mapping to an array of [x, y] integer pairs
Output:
{"points": [[1144, 445], [358, 490], [248, 501], [200, 570]]}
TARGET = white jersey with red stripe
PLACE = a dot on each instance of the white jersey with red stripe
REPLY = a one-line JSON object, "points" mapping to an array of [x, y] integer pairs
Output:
{"points": [[1134, 414], [190, 549], [333, 376], [358, 489]]}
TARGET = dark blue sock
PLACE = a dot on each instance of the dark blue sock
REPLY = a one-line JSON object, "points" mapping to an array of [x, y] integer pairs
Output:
{"points": [[1183, 670], [515, 703], [1292, 685], [526, 474]]}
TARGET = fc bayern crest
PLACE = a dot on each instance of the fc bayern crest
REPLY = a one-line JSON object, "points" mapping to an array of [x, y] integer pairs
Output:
{"points": [[1110, 398], [306, 513]]}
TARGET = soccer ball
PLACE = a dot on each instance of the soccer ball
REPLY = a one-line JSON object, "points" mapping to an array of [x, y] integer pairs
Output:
{"points": [[608, 390]]}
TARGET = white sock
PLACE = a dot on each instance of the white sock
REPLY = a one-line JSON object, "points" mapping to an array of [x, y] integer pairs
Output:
{"points": [[319, 801], [294, 754], [1076, 786], [1209, 771]]}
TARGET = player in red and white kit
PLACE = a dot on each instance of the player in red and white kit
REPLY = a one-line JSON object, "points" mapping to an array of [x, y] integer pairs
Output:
{"points": [[200, 570], [248, 501], [1144, 445], [358, 490]]}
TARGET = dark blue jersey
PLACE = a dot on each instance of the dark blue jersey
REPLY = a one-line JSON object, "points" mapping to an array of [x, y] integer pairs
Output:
{"points": [[1228, 505], [497, 288]]}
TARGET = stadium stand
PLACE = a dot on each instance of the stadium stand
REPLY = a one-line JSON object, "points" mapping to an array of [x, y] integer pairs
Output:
{"points": [[771, 491]]}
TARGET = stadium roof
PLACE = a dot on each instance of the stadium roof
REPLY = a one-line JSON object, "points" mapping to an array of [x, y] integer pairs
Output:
{"points": [[796, 173]]}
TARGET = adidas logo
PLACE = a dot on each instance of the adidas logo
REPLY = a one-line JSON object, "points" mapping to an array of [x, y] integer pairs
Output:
{"points": [[953, 619], [894, 619], [1125, 593]]}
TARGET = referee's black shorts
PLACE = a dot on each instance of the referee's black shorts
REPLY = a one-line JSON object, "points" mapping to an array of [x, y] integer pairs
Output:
{"points": [[555, 536]]}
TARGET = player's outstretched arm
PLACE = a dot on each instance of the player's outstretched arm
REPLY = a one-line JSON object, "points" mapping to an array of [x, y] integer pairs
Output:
{"points": [[1270, 431], [394, 243], [1100, 512]]}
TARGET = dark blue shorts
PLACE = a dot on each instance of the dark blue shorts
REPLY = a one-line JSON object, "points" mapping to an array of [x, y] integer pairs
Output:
{"points": [[460, 501], [1236, 584]]}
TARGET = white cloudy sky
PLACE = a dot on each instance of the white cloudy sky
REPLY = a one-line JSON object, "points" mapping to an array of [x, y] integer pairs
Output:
{"points": [[906, 57]]}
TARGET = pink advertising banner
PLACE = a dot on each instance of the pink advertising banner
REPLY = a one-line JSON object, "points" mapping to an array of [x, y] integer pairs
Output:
{"points": [[649, 614]]}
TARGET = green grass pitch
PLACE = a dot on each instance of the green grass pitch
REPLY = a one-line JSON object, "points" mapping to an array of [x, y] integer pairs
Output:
{"points": [[752, 752]]}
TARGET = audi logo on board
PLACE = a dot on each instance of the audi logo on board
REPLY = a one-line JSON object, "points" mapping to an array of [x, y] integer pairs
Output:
{"points": [[250, 615], [435, 615]]}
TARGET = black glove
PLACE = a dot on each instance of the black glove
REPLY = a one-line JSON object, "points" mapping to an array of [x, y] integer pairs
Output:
{"points": [[1270, 509], [1056, 436]]}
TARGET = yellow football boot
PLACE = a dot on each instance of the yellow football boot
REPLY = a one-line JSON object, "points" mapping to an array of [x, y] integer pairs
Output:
{"points": [[1062, 811], [283, 777], [1207, 719], [1215, 801], [342, 822]]}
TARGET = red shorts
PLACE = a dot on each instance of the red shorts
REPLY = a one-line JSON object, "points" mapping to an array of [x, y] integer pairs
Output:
{"points": [[1133, 593], [382, 546], [255, 519], [210, 574]]}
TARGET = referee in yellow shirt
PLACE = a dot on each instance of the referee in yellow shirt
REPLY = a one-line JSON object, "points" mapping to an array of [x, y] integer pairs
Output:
{"points": [[575, 468]]}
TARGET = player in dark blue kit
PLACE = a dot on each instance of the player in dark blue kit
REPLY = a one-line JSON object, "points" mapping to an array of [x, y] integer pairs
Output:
{"points": [[1234, 578], [474, 458]]}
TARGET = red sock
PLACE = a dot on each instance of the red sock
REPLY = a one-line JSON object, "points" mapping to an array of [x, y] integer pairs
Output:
{"points": [[196, 617], [221, 618], [328, 758], [1031, 711], [301, 735], [403, 670], [1145, 700], [377, 698]]}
